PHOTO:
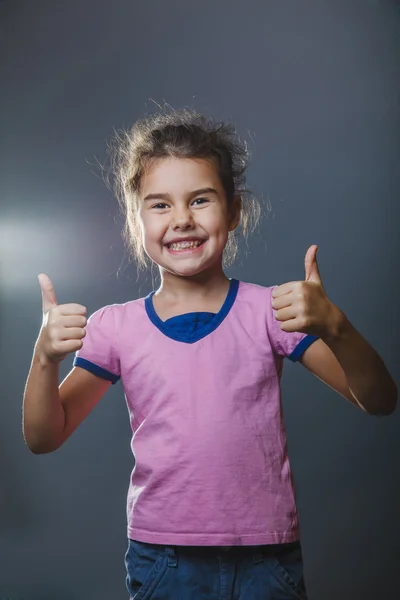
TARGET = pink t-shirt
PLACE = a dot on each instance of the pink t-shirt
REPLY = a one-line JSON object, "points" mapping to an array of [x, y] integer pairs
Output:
{"points": [[209, 441]]}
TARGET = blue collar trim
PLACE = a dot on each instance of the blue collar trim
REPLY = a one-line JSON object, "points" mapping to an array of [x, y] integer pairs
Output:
{"points": [[198, 334]]}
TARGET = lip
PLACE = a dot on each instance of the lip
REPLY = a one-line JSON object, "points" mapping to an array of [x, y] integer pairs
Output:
{"points": [[186, 239], [186, 250]]}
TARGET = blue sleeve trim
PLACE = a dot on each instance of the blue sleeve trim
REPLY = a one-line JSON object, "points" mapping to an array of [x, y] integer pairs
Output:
{"points": [[302, 347], [95, 369]]}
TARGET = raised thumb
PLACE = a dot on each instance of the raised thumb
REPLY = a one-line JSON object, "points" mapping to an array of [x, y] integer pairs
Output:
{"points": [[48, 294]]}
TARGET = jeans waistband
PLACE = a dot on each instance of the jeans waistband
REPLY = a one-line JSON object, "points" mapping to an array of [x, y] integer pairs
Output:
{"points": [[241, 550]]}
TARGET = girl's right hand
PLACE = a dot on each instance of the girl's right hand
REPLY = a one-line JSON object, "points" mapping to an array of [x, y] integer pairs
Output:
{"points": [[63, 325]]}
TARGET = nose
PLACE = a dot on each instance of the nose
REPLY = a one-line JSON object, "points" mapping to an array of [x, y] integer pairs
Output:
{"points": [[182, 219]]}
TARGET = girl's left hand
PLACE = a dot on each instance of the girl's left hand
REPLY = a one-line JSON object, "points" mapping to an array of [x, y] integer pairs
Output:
{"points": [[303, 306]]}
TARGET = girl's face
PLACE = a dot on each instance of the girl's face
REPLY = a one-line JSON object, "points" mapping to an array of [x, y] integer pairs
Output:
{"points": [[182, 200]]}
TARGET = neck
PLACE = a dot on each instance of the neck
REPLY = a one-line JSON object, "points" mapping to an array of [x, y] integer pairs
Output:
{"points": [[205, 284]]}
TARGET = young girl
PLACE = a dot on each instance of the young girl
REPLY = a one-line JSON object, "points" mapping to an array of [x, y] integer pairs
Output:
{"points": [[211, 505]]}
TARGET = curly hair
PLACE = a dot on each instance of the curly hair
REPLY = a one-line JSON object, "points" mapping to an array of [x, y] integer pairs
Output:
{"points": [[181, 133]]}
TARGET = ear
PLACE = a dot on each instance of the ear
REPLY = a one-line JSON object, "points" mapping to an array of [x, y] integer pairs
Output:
{"points": [[235, 212]]}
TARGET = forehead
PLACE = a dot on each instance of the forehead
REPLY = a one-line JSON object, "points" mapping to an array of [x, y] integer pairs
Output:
{"points": [[179, 175]]}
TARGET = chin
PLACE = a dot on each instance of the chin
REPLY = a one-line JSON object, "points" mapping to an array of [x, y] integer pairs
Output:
{"points": [[185, 271]]}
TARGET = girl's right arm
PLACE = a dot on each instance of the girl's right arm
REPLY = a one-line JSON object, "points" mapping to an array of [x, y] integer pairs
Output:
{"points": [[52, 412]]}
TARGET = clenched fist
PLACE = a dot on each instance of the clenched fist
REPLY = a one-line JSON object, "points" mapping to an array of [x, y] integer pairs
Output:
{"points": [[63, 325]]}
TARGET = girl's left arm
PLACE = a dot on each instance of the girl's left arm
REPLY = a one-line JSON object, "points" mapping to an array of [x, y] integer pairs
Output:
{"points": [[369, 380], [342, 358]]}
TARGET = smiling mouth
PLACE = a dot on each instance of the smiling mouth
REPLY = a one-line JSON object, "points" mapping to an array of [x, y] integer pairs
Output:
{"points": [[185, 247]]}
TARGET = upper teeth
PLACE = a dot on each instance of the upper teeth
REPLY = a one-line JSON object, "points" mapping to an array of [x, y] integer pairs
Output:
{"points": [[178, 245]]}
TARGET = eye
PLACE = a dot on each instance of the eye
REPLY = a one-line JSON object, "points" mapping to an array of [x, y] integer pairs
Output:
{"points": [[163, 204]]}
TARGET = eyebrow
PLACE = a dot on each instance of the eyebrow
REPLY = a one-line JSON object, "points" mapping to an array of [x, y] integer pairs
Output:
{"points": [[207, 190]]}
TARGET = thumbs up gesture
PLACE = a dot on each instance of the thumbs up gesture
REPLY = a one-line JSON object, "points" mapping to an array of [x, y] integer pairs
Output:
{"points": [[303, 306], [63, 325]]}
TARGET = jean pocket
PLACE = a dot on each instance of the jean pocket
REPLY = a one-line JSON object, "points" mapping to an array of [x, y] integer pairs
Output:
{"points": [[145, 566], [288, 570]]}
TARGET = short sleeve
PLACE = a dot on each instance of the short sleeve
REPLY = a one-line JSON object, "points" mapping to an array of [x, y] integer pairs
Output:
{"points": [[290, 344], [99, 353]]}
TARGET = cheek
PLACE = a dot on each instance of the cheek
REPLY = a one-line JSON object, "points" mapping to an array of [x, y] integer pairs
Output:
{"points": [[216, 220], [151, 230]]}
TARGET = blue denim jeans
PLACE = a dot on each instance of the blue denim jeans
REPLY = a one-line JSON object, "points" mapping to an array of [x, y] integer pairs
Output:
{"points": [[159, 572]]}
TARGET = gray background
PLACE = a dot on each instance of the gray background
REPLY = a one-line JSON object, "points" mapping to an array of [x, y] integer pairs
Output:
{"points": [[315, 88]]}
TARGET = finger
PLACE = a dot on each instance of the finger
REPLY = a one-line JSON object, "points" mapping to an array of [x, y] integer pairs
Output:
{"points": [[71, 310], [283, 289], [73, 333], [281, 301], [48, 294], [67, 346], [285, 314], [73, 321]]}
